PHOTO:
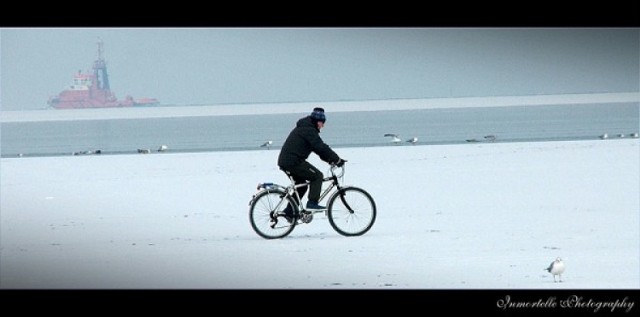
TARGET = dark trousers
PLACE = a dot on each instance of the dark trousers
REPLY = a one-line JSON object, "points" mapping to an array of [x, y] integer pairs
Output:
{"points": [[306, 172]]}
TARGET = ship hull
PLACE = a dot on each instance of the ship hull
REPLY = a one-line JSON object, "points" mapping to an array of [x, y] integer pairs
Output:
{"points": [[96, 99], [79, 102]]}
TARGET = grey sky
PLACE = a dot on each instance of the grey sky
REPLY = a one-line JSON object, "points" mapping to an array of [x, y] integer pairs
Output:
{"points": [[185, 66]]}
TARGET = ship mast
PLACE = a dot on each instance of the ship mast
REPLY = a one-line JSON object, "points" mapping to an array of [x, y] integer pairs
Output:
{"points": [[100, 68]]}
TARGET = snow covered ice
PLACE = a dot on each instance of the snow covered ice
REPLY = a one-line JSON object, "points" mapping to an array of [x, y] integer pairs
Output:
{"points": [[468, 216]]}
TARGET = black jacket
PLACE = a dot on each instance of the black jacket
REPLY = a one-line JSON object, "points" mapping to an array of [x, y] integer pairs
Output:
{"points": [[304, 139]]}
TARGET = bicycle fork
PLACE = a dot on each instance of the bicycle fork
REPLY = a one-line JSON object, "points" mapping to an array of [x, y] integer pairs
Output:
{"points": [[344, 201]]}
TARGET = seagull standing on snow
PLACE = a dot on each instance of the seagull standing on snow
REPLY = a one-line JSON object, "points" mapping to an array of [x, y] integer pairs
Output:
{"points": [[413, 140], [556, 268], [394, 137]]}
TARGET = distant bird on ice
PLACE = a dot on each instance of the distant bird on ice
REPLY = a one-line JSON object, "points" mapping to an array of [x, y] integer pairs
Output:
{"points": [[413, 140], [267, 144], [490, 137], [604, 136], [394, 137], [556, 268], [162, 148]]}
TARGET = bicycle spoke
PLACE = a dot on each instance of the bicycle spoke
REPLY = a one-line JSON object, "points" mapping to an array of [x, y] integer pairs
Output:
{"points": [[262, 213], [352, 212]]}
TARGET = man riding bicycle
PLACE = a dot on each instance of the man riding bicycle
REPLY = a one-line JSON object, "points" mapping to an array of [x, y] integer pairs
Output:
{"points": [[302, 140]]}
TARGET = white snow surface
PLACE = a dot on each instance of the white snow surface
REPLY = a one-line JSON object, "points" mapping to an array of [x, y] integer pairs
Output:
{"points": [[469, 216]]}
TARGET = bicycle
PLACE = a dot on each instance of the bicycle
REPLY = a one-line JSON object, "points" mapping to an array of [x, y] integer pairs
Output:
{"points": [[351, 210]]}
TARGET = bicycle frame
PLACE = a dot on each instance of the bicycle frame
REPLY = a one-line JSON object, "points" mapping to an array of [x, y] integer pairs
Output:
{"points": [[292, 190]]}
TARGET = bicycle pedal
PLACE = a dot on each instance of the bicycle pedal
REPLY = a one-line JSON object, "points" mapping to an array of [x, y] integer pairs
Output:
{"points": [[305, 217]]}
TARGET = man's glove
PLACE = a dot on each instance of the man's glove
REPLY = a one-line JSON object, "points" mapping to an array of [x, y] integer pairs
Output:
{"points": [[340, 162]]}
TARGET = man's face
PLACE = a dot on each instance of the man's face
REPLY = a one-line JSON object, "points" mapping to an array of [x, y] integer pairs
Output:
{"points": [[320, 125]]}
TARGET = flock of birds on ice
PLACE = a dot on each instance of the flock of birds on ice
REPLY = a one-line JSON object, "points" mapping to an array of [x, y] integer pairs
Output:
{"points": [[394, 139], [162, 148]]}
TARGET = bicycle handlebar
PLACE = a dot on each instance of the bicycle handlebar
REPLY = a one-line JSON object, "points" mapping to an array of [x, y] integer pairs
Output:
{"points": [[334, 167]]}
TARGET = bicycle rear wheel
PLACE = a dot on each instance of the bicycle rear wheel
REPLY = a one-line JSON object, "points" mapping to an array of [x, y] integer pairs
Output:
{"points": [[351, 211], [265, 220]]}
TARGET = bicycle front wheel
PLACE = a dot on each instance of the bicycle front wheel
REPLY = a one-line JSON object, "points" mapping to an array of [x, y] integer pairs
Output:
{"points": [[351, 211], [265, 220]]}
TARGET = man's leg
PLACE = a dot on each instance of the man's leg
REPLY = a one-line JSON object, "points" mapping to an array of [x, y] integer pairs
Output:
{"points": [[307, 172], [288, 211], [298, 180]]}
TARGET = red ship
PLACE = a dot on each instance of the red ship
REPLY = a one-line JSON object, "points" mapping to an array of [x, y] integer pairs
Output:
{"points": [[92, 91]]}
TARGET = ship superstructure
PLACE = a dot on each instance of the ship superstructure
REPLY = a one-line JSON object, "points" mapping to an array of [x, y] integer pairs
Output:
{"points": [[91, 90]]}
